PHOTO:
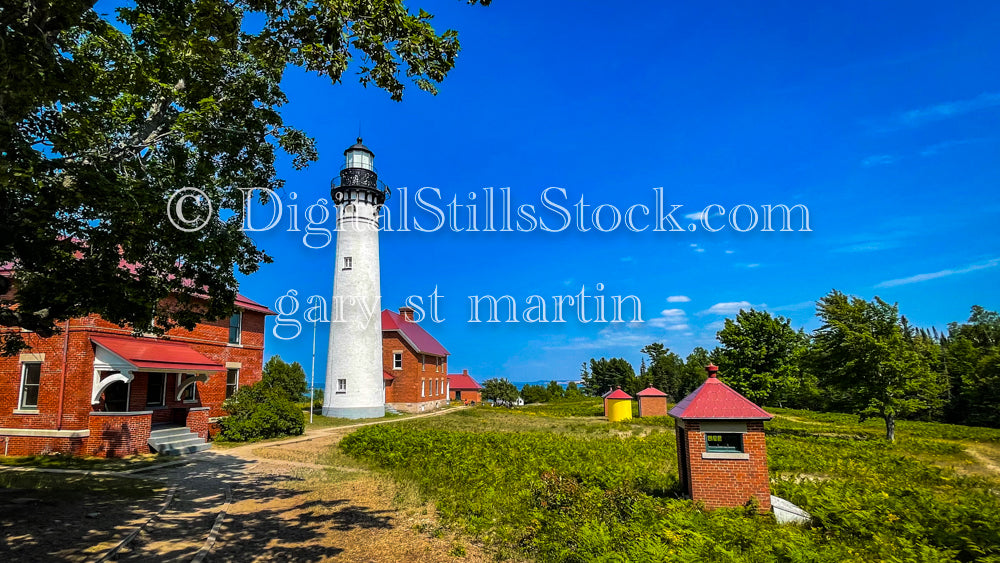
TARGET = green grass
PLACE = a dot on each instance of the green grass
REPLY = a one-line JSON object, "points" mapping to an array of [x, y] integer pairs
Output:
{"points": [[319, 421], [557, 482], [57, 461]]}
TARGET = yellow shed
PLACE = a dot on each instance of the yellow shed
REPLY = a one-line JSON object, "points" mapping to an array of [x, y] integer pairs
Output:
{"points": [[618, 406]]}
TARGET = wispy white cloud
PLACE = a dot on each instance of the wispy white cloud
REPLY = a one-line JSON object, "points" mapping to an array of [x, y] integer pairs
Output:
{"points": [[729, 308], [670, 319], [730, 251], [992, 263], [678, 299], [946, 110], [871, 246], [937, 148], [878, 160], [891, 234], [699, 216], [697, 248]]}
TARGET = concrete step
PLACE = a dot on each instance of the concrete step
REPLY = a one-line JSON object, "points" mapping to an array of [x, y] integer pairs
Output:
{"points": [[193, 440], [169, 432], [176, 441], [194, 448]]}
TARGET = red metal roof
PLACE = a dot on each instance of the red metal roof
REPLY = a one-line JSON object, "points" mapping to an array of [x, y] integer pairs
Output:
{"points": [[251, 305], [419, 338], [386, 376], [716, 400], [462, 382], [150, 354], [651, 392], [618, 394]]}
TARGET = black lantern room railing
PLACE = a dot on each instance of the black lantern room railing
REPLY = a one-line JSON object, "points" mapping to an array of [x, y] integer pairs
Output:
{"points": [[359, 179]]}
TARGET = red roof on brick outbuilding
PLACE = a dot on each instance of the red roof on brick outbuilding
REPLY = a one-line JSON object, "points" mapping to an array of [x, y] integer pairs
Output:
{"points": [[149, 354], [716, 400], [618, 394], [651, 392], [462, 382], [386, 376], [417, 337]]}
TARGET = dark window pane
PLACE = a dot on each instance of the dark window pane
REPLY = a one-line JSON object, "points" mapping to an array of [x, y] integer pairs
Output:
{"points": [[728, 442], [154, 389], [33, 374], [234, 328], [29, 392], [116, 397], [232, 381], [30, 396]]}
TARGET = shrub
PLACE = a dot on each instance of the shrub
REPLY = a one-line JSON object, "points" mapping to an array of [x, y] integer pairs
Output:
{"points": [[258, 412]]}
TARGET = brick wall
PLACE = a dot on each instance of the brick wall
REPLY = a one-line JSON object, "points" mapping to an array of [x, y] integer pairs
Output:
{"points": [[406, 387], [467, 395], [119, 434], [197, 421], [652, 406], [728, 482], [35, 445]]}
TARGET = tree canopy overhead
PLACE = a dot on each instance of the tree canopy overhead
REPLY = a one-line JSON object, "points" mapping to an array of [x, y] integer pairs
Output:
{"points": [[104, 117]]}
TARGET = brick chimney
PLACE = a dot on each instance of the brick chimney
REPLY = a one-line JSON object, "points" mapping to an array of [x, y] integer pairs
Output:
{"points": [[465, 372], [406, 313]]}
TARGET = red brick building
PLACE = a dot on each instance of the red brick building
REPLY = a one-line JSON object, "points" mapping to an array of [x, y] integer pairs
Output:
{"points": [[722, 455], [414, 364], [464, 388], [95, 389], [652, 402]]}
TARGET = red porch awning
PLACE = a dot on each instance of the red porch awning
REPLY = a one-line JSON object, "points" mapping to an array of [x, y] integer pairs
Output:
{"points": [[147, 354]]}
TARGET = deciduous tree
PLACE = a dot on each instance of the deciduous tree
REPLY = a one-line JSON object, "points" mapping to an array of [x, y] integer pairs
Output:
{"points": [[862, 350], [758, 355], [500, 391], [103, 120], [289, 378]]}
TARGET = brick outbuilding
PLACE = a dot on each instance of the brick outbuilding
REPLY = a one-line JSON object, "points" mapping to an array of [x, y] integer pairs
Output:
{"points": [[462, 387], [652, 402], [722, 455]]}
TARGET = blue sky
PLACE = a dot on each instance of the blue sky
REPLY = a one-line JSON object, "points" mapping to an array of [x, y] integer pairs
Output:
{"points": [[881, 118]]}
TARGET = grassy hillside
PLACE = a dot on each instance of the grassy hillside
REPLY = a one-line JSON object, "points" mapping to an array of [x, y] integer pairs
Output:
{"points": [[558, 483]]}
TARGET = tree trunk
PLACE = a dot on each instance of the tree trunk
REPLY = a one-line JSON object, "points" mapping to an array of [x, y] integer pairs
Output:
{"points": [[890, 428]]}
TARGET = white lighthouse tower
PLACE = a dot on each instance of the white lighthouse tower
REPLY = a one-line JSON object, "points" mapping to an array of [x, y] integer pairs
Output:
{"points": [[354, 387]]}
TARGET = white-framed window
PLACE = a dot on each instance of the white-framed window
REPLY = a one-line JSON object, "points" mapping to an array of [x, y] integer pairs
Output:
{"points": [[232, 381], [31, 377], [341, 386], [348, 263], [397, 360], [236, 327], [423, 387], [156, 389]]}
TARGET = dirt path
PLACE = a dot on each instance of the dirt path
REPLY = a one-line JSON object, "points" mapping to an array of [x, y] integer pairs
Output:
{"points": [[985, 461], [288, 505], [297, 499]]}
